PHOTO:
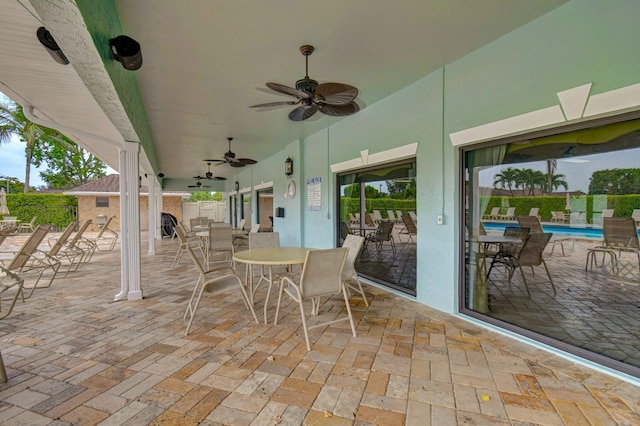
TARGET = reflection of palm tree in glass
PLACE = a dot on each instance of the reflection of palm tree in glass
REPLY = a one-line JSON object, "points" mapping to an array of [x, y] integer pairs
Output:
{"points": [[507, 179], [554, 181]]}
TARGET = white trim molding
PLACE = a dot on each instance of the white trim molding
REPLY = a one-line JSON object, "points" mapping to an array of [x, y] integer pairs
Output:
{"points": [[575, 104], [244, 190], [368, 159], [263, 185]]}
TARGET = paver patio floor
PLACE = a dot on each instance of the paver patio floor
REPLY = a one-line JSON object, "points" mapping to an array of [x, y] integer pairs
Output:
{"points": [[74, 357]]}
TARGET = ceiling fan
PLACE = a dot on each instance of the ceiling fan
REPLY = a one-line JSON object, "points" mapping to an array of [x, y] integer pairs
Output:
{"points": [[336, 99], [198, 183], [230, 159], [209, 175]]}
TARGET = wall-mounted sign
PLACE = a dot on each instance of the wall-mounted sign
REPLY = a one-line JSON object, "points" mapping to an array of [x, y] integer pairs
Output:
{"points": [[314, 199]]}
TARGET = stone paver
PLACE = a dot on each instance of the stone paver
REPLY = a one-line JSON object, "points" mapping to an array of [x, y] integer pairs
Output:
{"points": [[75, 357]]}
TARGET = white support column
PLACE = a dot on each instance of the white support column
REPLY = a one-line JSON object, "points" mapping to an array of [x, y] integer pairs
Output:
{"points": [[158, 212], [153, 215], [130, 223]]}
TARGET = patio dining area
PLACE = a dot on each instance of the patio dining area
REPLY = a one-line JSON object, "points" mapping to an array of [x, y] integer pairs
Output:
{"points": [[74, 357]]}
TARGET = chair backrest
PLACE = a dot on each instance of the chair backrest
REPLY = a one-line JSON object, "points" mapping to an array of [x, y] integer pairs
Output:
{"points": [[368, 221], [33, 221], [398, 214], [413, 216], [352, 218], [255, 228], [195, 259], [533, 211], [607, 213], [511, 211], [220, 238], [322, 272], [78, 235], [101, 220], [182, 236], [213, 224], [531, 252], [241, 224], [264, 240], [384, 230], [194, 222], [60, 242], [354, 244], [409, 225], [620, 232], [531, 222], [636, 215], [516, 232], [344, 229], [104, 227], [29, 247], [495, 211], [391, 215], [377, 216]]}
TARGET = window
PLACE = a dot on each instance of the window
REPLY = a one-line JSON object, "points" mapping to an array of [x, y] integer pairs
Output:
{"points": [[537, 210], [372, 203], [102, 201]]}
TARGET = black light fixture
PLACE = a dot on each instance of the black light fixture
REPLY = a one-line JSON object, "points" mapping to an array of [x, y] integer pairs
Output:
{"points": [[288, 166], [47, 40], [126, 51], [237, 186]]}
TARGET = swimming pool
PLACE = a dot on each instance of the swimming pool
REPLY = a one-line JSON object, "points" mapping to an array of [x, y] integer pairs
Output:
{"points": [[569, 231]]}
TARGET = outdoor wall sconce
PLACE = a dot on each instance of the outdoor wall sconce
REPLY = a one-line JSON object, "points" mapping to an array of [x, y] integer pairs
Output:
{"points": [[47, 40], [126, 51], [237, 186], [288, 166]]}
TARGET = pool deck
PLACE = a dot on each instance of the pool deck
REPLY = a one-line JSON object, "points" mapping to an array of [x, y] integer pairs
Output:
{"points": [[74, 357]]}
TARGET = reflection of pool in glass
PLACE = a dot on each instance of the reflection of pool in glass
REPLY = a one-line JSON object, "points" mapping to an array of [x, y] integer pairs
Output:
{"points": [[568, 231]]}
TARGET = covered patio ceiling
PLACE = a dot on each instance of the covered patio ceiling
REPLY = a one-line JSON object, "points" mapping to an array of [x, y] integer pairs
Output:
{"points": [[206, 62]]}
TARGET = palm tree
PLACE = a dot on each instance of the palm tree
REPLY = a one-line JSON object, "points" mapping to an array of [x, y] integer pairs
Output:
{"points": [[14, 122], [507, 179], [556, 181]]}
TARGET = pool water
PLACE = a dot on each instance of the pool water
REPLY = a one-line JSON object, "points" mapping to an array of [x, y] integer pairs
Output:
{"points": [[557, 230]]}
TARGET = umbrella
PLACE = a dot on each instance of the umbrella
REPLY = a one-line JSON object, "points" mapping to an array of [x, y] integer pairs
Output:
{"points": [[3, 202], [567, 206]]}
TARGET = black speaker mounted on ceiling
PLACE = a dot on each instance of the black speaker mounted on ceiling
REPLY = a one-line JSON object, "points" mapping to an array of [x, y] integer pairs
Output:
{"points": [[47, 40], [126, 51]]}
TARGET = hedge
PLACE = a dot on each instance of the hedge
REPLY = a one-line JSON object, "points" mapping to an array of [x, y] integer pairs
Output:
{"points": [[623, 205], [56, 209], [352, 205]]}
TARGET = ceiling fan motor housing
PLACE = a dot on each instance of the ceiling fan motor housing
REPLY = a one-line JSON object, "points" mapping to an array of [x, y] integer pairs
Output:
{"points": [[307, 85]]}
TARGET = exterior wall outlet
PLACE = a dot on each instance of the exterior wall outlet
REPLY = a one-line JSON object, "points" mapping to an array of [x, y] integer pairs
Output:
{"points": [[440, 219]]}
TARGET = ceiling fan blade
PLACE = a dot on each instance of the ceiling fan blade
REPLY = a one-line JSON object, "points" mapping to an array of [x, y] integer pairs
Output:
{"points": [[273, 104], [302, 113], [199, 177], [339, 110], [237, 164], [247, 161], [335, 93], [218, 178], [288, 90]]}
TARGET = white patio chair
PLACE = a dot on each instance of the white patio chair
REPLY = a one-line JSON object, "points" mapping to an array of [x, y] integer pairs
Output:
{"points": [[321, 276], [28, 227], [209, 279], [349, 275]]}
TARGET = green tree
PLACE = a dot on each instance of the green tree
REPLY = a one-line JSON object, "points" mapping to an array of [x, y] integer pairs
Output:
{"points": [[615, 182], [69, 165], [507, 179], [205, 196], [353, 191], [14, 122]]}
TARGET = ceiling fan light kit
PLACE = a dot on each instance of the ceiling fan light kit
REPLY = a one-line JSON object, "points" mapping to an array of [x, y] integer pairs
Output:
{"points": [[335, 99]]}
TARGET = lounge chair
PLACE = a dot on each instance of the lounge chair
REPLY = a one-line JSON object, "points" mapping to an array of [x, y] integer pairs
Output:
{"points": [[26, 263], [495, 212], [63, 252], [636, 216], [391, 216], [558, 217], [410, 229], [255, 228], [321, 276], [533, 211], [106, 239], [509, 215], [377, 216], [349, 274], [207, 280], [413, 217], [28, 227], [578, 218]]}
